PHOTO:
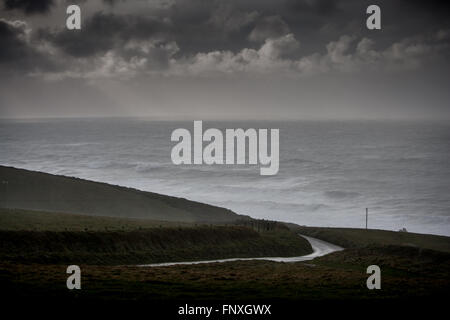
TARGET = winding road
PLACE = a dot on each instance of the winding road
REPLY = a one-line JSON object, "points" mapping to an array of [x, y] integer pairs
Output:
{"points": [[320, 248]]}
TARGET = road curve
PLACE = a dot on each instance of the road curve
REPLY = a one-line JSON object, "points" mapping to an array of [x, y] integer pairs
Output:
{"points": [[320, 248]]}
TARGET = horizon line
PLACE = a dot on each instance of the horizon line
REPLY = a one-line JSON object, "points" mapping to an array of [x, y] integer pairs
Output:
{"points": [[224, 119]]}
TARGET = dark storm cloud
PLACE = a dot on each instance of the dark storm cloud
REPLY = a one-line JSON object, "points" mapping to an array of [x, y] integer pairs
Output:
{"points": [[229, 25], [290, 57], [202, 26], [323, 7], [103, 32], [17, 53], [29, 6], [206, 26], [12, 46], [269, 27], [235, 34], [435, 6], [112, 2]]}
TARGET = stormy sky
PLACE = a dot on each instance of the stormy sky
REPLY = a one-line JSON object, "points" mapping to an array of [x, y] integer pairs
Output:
{"points": [[225, 59]]}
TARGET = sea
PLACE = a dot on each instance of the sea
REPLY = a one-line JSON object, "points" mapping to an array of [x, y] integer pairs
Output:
{"points": [[330, 171]]}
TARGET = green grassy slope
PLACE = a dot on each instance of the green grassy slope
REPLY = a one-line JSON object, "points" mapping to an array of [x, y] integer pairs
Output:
{"points": [[48, 237], [23, 189], [356, 238], [147, 246], [238, 281], [29, 220], [392, 259]]}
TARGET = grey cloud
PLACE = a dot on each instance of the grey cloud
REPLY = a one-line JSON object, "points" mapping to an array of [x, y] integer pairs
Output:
{"points": [[103, 32], [268, 59], [225, 17], [201, 26], [347, 54], [29, 6], [234, 57], [269, 27], [224, 37], [316, 6], [208, 26], [19, 54], [12, 37], [110, 2], [436, 7], [350, 54]]}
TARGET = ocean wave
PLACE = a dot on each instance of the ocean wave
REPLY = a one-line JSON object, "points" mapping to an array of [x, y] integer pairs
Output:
{"points": [[148, 167], [108, 164], [261, 184], [339, 194], [411, 158], [297, 161], [78, 144], [393, 172], [277, 205]]}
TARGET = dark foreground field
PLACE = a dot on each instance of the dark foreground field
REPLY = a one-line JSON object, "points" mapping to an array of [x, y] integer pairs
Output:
{"points": [[46, 239], [327, 286], [339, 276], [412, 280], [33, 263], [36, 246]]}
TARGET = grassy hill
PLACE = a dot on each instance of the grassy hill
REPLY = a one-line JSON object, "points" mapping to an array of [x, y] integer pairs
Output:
{"points": [[30, 190], [29, 220], [48, 222], [358, 238], [55, 219], [146, 246], [49, 237], [340, 276]]}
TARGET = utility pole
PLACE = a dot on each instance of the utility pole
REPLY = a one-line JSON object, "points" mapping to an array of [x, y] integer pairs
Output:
{"points": [[367, 216]]}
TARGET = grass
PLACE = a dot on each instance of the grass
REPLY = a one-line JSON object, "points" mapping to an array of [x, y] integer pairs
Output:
{"points": [[397, 259], [33, 265], [47, 237], [31, 190], [33, 261], [44, 237], [36, 247], [357, 238], [147, 246], [234, 281], [29, 220]]}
